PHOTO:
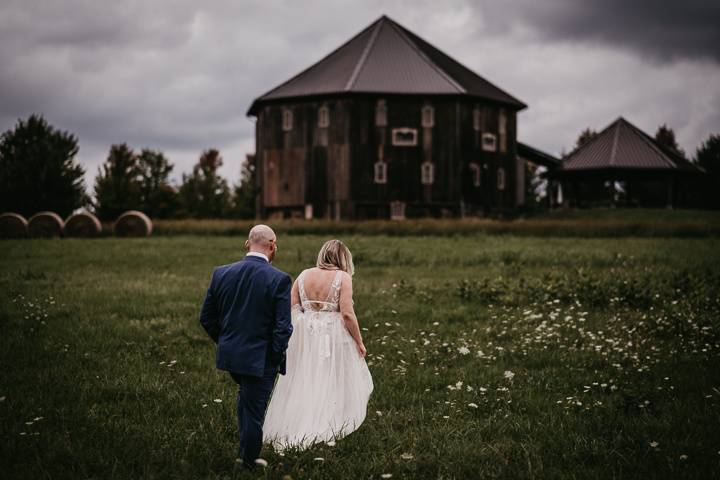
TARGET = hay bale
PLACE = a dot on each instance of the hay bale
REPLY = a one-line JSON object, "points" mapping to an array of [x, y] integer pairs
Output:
{"points": [[13, 225], [45, 225], [82, 224], [133, 224]]}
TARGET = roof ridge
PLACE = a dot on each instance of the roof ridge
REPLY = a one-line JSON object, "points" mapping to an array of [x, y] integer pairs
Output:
{"points": [[653, 144], [364, 56], [427, 60]]}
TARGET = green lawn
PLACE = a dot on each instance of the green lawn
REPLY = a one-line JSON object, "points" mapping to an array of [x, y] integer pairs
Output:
{"points": [[492, 356]]}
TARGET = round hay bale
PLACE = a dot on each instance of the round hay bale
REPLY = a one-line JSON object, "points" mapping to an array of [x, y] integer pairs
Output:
{"points": [[13, 225], [82, 224], [45, 225], [133, 224]]}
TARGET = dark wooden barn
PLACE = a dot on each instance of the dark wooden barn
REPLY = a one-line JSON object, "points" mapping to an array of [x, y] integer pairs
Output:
{"points": [[387, 126], [622, 165]]}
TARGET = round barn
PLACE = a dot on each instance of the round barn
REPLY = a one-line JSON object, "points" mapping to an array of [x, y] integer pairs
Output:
{"points": [[387, 126]]}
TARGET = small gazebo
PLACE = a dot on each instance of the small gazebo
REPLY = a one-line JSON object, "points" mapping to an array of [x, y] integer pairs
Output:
{"points": [[624, 165]]}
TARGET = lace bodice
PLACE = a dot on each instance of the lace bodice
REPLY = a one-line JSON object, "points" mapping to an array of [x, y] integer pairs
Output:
{"points": [[330, 304]]}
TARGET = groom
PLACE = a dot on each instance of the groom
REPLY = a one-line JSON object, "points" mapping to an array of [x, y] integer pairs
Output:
{"points": [[247, 313]]}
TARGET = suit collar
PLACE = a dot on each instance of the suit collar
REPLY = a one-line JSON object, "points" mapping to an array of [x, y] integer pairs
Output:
{"points": [[256, 258]]}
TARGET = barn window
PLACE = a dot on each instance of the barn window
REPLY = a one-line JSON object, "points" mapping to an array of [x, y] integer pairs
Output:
{"points": [[381, 114], [397, 210], [287, 120], [404, 137], [427, 173], [475, 172], [308, 211], [428, 116], [323, 117], [501, 178], [502, 130], [380, 172], [477, 119], [489, 142]]}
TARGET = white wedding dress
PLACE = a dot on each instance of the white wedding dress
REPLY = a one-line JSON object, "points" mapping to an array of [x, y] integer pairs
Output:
{"points": [[324, 394]]}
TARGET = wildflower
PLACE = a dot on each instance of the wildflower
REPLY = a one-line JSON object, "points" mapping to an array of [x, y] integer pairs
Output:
{"points": [[331, 443], [436, 323], [261, 462], [204, 405], [218, 400], [379, 413], [2, 399], [463, 350], [319, 459], [683, 457], [508, 374], [407, 456], [654, 444], [472, 405], [386, 475]]}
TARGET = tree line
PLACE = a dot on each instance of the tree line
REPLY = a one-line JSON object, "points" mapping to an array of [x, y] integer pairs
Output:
{"points": [[39, 171]]}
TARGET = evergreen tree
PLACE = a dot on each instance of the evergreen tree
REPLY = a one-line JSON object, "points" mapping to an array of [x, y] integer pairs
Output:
{"points": [[118, 184], [707, 156], [158, 197], [38, 170], [665, 136], [585, 136], [204, 193], [246, 190]]}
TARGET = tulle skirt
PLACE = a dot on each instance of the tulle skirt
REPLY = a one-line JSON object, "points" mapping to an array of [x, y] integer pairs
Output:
{"points": [[324, 394]]}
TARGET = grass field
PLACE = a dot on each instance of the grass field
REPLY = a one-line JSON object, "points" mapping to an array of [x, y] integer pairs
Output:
{"points": [[492, 356]]}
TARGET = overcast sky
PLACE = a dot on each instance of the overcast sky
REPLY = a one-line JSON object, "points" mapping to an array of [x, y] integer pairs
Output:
{"points": [[179, 76]]}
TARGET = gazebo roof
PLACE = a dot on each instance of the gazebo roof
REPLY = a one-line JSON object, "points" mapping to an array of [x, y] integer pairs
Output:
{"points": [[386, 58], [623, 146]]}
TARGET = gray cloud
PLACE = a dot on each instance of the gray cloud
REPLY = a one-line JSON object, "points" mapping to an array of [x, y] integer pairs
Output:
{"points": [[179, 76], [665, 30]]}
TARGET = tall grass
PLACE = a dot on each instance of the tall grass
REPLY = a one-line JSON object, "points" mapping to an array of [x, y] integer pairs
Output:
{"points": [[575, 223]]}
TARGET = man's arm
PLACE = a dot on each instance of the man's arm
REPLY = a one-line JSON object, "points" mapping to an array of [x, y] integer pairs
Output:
{"points": [[283, 326], [210, 313]]}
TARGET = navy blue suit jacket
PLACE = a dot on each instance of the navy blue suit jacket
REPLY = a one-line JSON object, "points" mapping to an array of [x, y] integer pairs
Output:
{"points": [[247, 313]]}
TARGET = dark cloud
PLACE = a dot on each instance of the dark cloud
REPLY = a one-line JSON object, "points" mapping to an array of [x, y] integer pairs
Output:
{"points": [[665, 30]]}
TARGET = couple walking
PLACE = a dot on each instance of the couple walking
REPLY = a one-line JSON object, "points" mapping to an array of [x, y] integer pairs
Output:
{"points": [[307, 331]]}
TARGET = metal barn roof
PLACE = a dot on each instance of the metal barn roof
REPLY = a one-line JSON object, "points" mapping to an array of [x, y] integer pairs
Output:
{"points": [[386, 58], [621, 145]]}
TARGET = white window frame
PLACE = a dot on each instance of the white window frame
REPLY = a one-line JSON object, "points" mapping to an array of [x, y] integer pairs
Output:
{"points": [[501, 178], [475, 171], [477, 119], [489, 142], [308, 211], [428, 116], [427, 173], [287, 120], [380, 172], [381, 114], [397, 210], [403, 142], [323, 116]]}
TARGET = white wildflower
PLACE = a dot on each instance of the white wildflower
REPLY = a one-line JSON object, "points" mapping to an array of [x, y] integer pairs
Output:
{"points": [[463, 350], [472, 405], [508, 374], [407, 456], [260, 461]]}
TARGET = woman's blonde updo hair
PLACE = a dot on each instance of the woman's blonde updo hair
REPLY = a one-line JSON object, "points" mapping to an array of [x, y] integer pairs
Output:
{"points": [[334, 254]]}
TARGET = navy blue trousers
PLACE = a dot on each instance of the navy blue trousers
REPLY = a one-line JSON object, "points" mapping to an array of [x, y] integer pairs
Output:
{"points": [[252, 401]]}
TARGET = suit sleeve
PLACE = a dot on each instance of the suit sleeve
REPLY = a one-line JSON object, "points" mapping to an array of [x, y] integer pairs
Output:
{"points": [[210, 312], [283, 326]]}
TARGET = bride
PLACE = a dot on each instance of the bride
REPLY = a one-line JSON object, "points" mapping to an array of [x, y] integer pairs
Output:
{"points": [[324, 394]]}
